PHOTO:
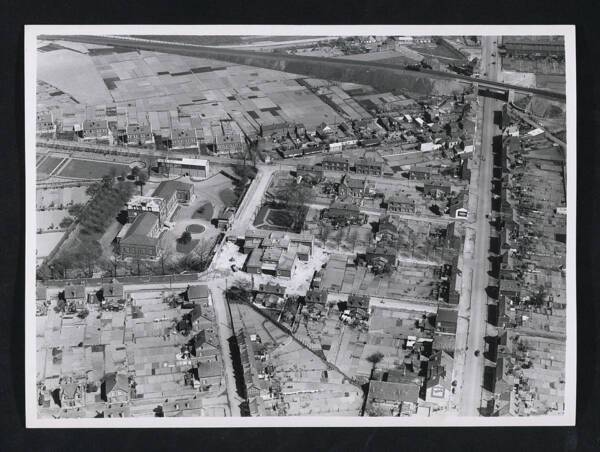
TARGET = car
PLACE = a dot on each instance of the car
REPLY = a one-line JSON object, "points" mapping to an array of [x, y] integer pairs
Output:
{"points": [[476, 352]]}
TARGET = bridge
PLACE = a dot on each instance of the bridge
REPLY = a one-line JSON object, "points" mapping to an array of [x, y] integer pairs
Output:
{"points": [[301, 64]]}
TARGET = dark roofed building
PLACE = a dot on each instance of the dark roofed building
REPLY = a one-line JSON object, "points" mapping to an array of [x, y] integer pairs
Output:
{"points": [[141, 239], [318, 297], [400, 203], [436, 189], [446, 320], [333, 163], [392, 399], [139, 134], [95, 128], [341, 211], [359, 305], [112, 291], [197, 293], [115, 388], [369, 166], [75, 292], [270, 288], [422, 173]]}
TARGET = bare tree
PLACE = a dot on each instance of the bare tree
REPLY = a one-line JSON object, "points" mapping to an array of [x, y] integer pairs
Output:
{"points": [[141, 181]]}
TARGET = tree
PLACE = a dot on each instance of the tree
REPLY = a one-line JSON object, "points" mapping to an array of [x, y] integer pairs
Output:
{"points": [[294, 196], [185, 238], [107, 181], [324, 231], [93, 189], [75, 209], [374, 359], [141, 181], [66, 222]]}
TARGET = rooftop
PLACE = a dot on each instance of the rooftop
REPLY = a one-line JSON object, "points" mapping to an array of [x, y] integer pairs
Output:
{"points": [[166, 189], [139, 231], [395, 392]]}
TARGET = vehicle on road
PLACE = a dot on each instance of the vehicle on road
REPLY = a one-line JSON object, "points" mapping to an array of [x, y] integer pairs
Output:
{"points": [[476, 352]]}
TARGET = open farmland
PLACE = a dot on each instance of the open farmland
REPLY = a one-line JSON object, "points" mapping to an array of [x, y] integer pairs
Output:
{"points": [[75, 74]]}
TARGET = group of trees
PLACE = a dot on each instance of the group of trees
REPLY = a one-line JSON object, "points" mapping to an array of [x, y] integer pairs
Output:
{"points": [[245, 173], [108, 200], [84, 252], [295, 197]]}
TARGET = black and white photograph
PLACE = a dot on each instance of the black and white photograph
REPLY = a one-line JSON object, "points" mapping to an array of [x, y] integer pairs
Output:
{"points": [[255, 226]]}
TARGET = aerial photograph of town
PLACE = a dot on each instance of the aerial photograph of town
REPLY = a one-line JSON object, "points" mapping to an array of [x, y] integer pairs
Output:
{"points": [[238, 226]]}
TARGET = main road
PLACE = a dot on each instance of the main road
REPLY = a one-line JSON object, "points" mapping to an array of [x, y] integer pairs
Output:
{"points": [[477, 262]]}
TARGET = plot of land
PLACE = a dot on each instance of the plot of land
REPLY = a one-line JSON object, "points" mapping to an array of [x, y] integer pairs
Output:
{"points": [[47, 165], [91, 169], [204, 212], [228, 197], [186, 248], [55, 197], [271, 218], [46, 243]]}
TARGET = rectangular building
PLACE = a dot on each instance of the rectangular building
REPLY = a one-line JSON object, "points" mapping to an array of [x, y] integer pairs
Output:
{"points": [[141, 239], [197, 168]]}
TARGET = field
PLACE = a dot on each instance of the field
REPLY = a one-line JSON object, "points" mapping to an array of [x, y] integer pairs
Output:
{"points": [[75, 74], [91, 169], [228, 197], [204, 212], [50, 219], [277, 219], [55, 197], [46, 243], [187, 247], [47, 165]]}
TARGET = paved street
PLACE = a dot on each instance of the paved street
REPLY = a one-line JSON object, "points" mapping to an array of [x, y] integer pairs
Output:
{"points": [[225, 332], [252, 200], [476, 263]]}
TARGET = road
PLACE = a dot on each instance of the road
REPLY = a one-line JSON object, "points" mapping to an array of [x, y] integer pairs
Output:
{"points": [[217, 288], [268, 57], [476, 262], [252, 200]]}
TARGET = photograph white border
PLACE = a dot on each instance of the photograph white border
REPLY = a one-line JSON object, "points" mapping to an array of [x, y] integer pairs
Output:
{"points": [[31, 33]]}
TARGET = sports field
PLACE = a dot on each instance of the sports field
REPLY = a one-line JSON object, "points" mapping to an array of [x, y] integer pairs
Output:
{"points": [[47, 165], [91, 169]]}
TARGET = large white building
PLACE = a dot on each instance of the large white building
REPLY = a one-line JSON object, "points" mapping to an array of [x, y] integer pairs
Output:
{"points": [[185, 167]]}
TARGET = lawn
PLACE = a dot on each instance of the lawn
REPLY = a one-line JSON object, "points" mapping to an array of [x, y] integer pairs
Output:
{"points": [[89, 169], [280, 218], [195, 229], [48, 165], [204, 212], [228, 197], [188, 247]]}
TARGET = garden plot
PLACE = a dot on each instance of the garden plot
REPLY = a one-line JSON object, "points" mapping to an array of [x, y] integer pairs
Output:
{"points": [[92, 169]]}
